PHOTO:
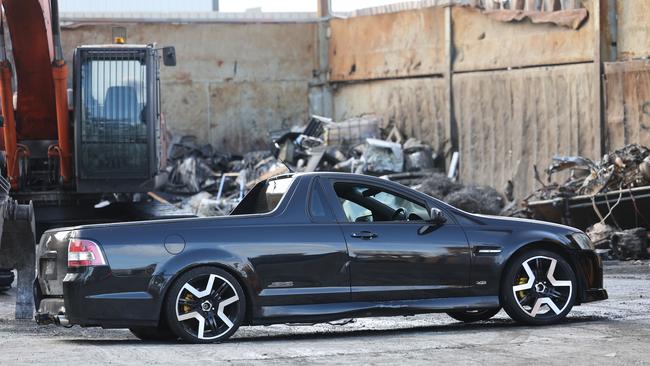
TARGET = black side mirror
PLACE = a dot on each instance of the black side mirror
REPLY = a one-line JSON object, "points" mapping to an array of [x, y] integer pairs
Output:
{"points": [[435, 221], [169, 56], [436, 217]]}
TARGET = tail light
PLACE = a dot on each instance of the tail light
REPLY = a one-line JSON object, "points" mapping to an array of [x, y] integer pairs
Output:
{"points": [[84, 253]]}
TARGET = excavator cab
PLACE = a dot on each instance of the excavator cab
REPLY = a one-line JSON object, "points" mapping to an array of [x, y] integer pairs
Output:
{"points": [[117, 119]]}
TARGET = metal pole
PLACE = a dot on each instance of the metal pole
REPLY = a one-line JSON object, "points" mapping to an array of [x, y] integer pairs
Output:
{"points": [[60, 74], [321, 88]]}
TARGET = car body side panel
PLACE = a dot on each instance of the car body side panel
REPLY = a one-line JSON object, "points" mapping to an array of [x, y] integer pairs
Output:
{"points": [[282, 259], [400, 263], [293, 269], [406, 260]]}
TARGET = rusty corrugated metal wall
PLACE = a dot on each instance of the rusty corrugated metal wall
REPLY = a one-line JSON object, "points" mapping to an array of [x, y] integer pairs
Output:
{"points": [[234, 82], [393, 64], [512, 95], [510, 121]]}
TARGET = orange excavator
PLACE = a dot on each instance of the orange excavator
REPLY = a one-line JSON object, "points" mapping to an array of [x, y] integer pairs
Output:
{"points": [[63, 149]]}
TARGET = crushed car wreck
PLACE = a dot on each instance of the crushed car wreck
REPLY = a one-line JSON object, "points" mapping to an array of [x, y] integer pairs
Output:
{"points": [[313, 247]]}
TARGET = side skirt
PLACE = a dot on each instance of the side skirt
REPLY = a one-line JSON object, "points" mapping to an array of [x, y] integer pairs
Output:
{"points": [[315, 313]]}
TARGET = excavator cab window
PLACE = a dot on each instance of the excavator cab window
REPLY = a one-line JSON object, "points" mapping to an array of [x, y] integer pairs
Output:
{"points": [[117, 100]]}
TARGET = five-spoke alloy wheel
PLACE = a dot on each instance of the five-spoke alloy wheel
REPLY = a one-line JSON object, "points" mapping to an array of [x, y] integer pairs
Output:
{"points": [[539, 288], [205, 305]]}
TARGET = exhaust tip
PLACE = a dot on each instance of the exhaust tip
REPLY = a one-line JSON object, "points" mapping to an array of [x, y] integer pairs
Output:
{"points": [[61, 320]]}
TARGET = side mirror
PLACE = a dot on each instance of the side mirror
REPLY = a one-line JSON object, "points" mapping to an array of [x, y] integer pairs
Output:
{"points": [[169, 56], [436, 220], [436, 217]]}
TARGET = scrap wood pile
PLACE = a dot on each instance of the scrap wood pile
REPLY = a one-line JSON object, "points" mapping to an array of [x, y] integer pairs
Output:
{"points": [[618, 172]]}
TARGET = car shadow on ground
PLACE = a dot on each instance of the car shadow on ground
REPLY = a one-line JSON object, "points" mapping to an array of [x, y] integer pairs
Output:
{"points": [[342, 332]]}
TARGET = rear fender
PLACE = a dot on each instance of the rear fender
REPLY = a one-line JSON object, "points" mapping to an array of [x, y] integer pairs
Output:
{"points": [[168, 272]]}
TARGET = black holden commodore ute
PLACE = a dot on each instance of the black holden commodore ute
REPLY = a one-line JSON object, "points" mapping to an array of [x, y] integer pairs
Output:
{"points": [[307, 248]]}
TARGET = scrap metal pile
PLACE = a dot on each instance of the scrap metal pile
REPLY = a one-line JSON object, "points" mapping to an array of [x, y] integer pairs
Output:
{"points": [[624, 168], [211, 183], [618, 174]]}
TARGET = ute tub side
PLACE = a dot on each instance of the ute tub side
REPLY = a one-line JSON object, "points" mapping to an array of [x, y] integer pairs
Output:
{"points": [[143, 260]]}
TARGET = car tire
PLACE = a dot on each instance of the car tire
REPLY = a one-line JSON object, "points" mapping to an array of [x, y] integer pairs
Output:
{"points": [[154, 334], [470, 316], [205, 305], [539, 287]]}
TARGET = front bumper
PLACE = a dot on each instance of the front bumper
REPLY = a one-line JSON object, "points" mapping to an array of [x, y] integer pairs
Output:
{"points": [[592, 295], [590, 276]]}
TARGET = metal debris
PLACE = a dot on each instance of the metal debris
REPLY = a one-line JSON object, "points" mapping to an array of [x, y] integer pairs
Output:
{"points": [[210, 183], [624, 168], [477, 199], [473, 199], [624, 245], [438, 185]]}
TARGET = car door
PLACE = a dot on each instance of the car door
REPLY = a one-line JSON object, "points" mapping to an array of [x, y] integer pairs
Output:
{"points": [[396, 257], [304, 259]]}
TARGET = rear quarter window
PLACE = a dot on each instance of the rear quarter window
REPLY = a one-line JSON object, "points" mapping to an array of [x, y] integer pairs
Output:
{"points": [[264, 197]]}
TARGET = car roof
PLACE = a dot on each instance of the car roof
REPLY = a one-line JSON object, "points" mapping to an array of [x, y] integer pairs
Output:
{"points": [[339, 175]]}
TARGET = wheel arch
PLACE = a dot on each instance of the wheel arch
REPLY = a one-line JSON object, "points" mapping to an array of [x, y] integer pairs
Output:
{"points": [[216, 264], [554, 247]]}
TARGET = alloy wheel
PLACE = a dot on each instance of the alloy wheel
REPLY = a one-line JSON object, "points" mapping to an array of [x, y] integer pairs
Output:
{"points": [[541, 288], [207, 306]]}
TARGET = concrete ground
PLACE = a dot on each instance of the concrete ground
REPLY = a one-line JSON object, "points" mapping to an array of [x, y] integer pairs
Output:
{"points": [[616, 331]]}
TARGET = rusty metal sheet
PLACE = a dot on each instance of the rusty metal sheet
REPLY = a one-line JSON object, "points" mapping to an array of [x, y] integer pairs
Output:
{"points": [[241, 115], [408, 43], [415, 106], [627, 103], [633, 36], [233, 82], [510, 121], [482, 43], [572, 18]]}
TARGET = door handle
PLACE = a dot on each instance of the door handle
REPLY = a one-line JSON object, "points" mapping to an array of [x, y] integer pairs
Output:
{"points": [[365, 235]]}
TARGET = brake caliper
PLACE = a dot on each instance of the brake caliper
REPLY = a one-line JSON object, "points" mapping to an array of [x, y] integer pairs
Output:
{"points": [[521, 281], [187, 308]]}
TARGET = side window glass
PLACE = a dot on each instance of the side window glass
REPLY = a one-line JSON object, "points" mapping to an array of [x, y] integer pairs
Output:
{"points": [[317, 208], [356, 213], [365, 203], [414, 210]]}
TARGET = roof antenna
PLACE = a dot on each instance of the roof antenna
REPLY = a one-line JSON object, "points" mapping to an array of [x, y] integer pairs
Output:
{"points": [[277, 146]]}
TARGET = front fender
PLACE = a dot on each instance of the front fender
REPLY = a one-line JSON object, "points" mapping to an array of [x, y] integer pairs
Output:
{"points": [[487, 268]]}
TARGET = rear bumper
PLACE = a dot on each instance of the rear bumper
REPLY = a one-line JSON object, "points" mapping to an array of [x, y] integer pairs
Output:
{"points": [[89, 302]]}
